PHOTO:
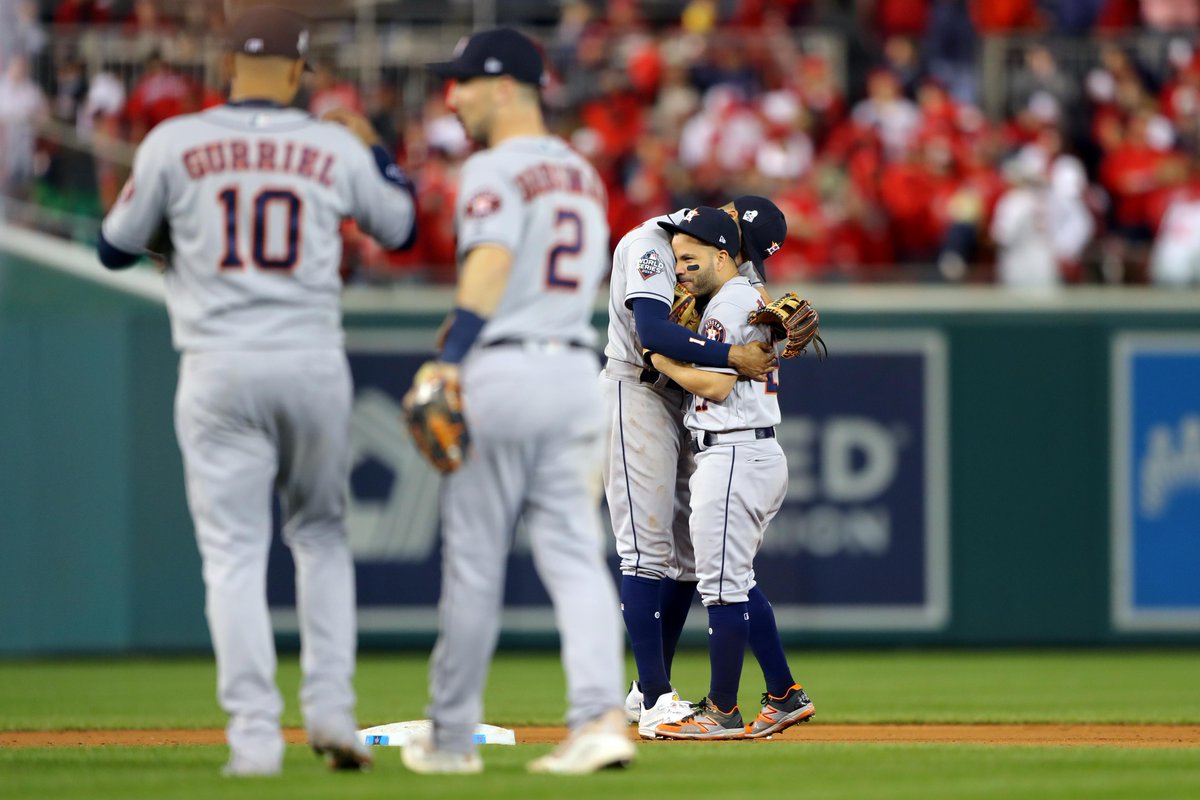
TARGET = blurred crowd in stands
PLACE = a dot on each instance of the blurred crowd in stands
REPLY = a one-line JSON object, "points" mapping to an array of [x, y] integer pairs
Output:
{"points": [[878, 148]]}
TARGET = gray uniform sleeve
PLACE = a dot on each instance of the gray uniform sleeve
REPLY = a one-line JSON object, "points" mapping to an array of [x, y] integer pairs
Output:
{"points": [[750, 273], [650, 265], [382, 198], [489, 209], [140, 209]]}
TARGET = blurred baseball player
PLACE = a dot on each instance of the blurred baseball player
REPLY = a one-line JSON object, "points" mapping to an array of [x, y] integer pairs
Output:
{"points": [[254, 193], [533, 247], [739, 483], [649, 461]]}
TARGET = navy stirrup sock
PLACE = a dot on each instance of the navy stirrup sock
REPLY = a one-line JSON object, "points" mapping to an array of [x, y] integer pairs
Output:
{"points": [[728, 631], [675, 600], [639, 606], [768, 649]]}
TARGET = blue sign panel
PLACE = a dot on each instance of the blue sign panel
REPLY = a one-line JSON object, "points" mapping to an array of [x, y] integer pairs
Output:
{"points": [[1156, 444], [860, 542]]}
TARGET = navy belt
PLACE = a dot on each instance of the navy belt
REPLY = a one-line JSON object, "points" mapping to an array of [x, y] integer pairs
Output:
{"points": [[705, 440], [538, 344], [653, 377]]}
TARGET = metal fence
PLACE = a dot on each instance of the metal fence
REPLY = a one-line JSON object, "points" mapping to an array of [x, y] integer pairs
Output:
{"points": [[1003, 57]]}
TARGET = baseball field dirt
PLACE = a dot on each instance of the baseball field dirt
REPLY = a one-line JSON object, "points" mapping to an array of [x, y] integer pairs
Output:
{"points": [[1011, 735]]}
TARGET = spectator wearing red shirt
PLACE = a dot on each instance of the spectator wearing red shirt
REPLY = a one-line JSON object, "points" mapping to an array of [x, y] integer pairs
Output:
{"points": [[807, 254], [906, 189], [818, 92], [900, 17], [82, 12], [161, 93], [1005, 16], [644, 188], [615, 114], [1131, 174]]}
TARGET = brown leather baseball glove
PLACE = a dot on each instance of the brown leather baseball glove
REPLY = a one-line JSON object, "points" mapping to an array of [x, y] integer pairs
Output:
{"points": [[683, 310], [794, 320], [433, 409]]}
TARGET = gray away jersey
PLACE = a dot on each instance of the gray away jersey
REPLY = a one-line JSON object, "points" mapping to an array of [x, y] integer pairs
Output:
{"points": [[750, 404], [255, 197], [644, 266], [545, 204]]}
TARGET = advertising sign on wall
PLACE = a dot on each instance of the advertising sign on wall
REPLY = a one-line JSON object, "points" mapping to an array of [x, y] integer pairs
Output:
{"points": [[1156, 482], [860, 542]]}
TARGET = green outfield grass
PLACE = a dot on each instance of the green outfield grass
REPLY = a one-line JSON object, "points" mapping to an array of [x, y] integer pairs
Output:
{"points": [[889, 686], [730, 770]]}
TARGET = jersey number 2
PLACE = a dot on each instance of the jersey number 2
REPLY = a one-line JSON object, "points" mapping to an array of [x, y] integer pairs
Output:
{"points": [[263, 202], [571, 247]]}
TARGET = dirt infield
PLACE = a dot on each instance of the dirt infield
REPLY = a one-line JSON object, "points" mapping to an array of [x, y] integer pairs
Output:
{"points": [[1003, 735]]}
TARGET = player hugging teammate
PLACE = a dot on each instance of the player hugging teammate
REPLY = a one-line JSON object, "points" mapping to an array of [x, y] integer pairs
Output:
{"points": [[654, 472], [739, 483]]}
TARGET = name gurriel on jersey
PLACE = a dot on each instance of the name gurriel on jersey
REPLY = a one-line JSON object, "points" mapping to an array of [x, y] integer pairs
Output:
{"points": [[263, 155]]}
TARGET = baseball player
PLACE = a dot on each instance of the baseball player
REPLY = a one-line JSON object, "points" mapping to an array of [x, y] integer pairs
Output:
{"points": [[254, 193], [738, 485], [533, 247], [649, 461]]}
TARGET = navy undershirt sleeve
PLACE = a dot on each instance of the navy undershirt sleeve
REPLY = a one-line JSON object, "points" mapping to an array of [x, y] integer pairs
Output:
{"points": [[659, 334], [114, 257], [397, 177]]}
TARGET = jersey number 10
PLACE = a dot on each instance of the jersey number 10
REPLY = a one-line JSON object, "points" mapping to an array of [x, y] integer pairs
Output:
{"points": [[284, 199]]}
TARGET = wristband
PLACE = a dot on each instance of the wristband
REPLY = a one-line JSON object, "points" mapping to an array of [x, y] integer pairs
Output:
{"points": [[462, 335]]}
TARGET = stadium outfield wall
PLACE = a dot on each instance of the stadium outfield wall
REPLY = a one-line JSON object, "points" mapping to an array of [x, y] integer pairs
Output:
{"points": [[969, 467]]}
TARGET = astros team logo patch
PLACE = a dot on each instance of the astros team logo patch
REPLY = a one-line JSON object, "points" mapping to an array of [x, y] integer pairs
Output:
{"points": [[483, 204], [650, 264], [713, 330]]}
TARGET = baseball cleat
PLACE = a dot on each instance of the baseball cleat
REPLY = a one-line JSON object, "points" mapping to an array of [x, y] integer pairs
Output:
{"points": [[243, 767], [600, 744], [352, 757], [420, 756], [706, 722], [668, 708], [779, 713], [633, 704]]}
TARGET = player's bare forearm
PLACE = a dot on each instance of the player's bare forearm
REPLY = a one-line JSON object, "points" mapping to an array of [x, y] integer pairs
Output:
{"points": [[754, 360], [714, 386], [483, 279]]}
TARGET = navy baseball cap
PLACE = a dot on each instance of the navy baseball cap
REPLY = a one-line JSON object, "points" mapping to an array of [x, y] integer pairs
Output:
{"points": [[711, 226], [763, 227], [502, 51], [270, 31]]}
